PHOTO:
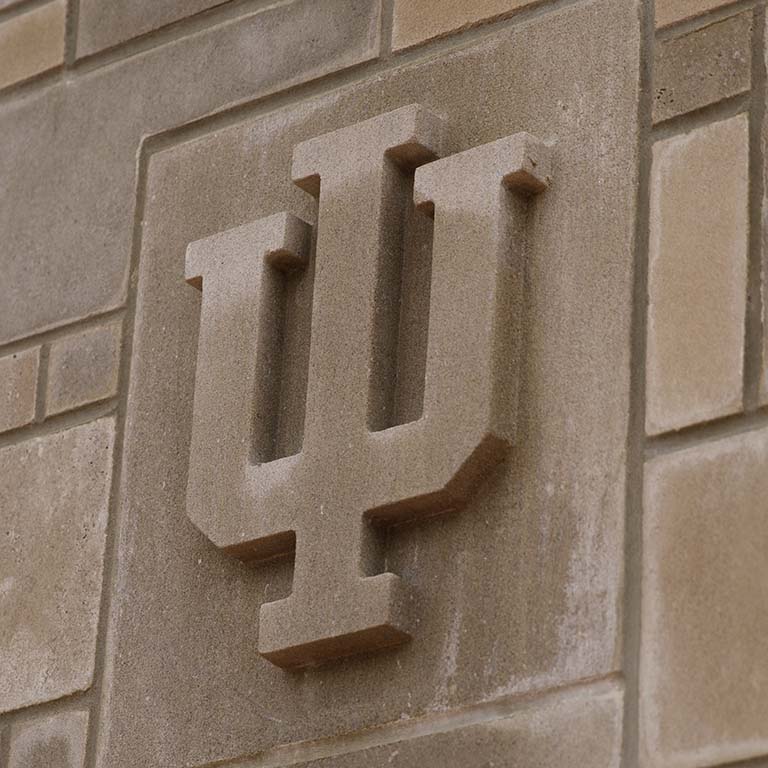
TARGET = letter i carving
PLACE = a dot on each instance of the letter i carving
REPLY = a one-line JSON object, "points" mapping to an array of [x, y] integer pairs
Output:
{"points": [[347, 477]]}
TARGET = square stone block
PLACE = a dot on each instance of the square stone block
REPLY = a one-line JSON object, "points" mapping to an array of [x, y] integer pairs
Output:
{"points": [[54, 493], [18, 388], [517, 592], [57, 741], [704, 656], [697, 275]]}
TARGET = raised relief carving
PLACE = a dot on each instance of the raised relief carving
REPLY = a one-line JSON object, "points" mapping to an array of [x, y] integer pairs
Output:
{"points": [[351, 475]]}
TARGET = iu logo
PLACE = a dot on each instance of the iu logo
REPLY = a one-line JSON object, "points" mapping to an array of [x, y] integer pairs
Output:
{"points": [[348, 477]]}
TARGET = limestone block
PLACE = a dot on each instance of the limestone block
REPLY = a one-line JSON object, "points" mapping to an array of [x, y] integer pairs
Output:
{"points": [[83, 368], [702, 67], [18, 388], [697, 275], [32, 42], [416, 21], [671, 11], [53, 492], [704, 660], [85, 135], [521, 589], [57, 741]]}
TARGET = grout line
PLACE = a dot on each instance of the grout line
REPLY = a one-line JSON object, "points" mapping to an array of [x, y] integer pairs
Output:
{"points": [[41, 388], [706, 19], [111, 547], [73, 702], [698, 118], [753, 327], [70, 33], [633, 525]]}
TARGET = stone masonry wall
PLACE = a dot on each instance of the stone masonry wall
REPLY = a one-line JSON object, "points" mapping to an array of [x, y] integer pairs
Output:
{"points": [[600, 598]]}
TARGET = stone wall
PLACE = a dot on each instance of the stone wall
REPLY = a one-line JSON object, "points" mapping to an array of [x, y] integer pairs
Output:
{"points": [[588, 583]]}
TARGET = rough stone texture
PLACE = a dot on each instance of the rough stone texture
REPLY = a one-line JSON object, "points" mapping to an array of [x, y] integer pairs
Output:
{"points": [[697, 280], [520, 590], [702, 67], [416, 21], [32, 42], [84, 132], [57, 741], [83, 368], [18, 388], [704, 667], [53, 494], [105, 24], [671, 11]]}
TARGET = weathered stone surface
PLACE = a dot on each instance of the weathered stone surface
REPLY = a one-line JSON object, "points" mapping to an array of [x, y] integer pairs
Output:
{"points": [[83, 368], [670, 11], [53, 493], [84, 132], [704, 667], [18, 388], [57, 741], [32, 42], [102, 25], [697, 280], [416, 21], [518, 591], [702, 67]]}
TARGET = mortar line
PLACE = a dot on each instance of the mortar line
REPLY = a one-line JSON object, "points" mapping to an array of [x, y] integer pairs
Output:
{"points": [[686, 122], [633, 531], [41, 386], [753, 325], [708, 18], [73, 702], [21, 8], [70, 33]]}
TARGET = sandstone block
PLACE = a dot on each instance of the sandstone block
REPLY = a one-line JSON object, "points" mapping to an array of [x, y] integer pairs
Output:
{"points": [[702, 67], [83, 368], [53, 492], [670, 11], [697, 275], [18, 388], [57, 741], [704, 657], [416, 21], [32, 42]]}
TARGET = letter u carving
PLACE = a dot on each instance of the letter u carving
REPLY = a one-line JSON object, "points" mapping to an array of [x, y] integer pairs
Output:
{"points": [[346, 478]]}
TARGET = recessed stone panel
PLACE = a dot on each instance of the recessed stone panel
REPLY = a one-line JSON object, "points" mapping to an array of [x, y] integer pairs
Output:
{"points": [[517, 592], [53, 495]]}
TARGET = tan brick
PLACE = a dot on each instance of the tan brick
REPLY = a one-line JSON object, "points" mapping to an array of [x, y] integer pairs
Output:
{"points": [[416, 21], [53, 496], [83, 368], [57, 741], [697, 280], [704, 657], [32, 42], [18, 388], [671, 11]]}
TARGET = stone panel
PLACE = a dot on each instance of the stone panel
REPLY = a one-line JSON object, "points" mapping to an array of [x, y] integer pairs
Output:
{"points": [[704, 665], [416, 21], [57, 741], [83, 368], [697, 275], [518, 592], [69, 156], [53, 492], [702, 67], [671, 11], [102, 25], [18, 388], [32, 42]]}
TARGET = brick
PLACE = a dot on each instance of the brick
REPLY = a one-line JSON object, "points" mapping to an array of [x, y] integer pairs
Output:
{"points": [[671, 11], [492, 620], [704, 657], [83, 368], [702, 67], [32, 42], [103, 25], [85, 133], [416, 21], [53, 492], [57, 741], [697, 275], [18, 388]]}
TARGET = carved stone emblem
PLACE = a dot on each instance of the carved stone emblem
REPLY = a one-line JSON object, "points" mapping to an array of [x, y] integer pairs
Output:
{"points": [[349, 476]]}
